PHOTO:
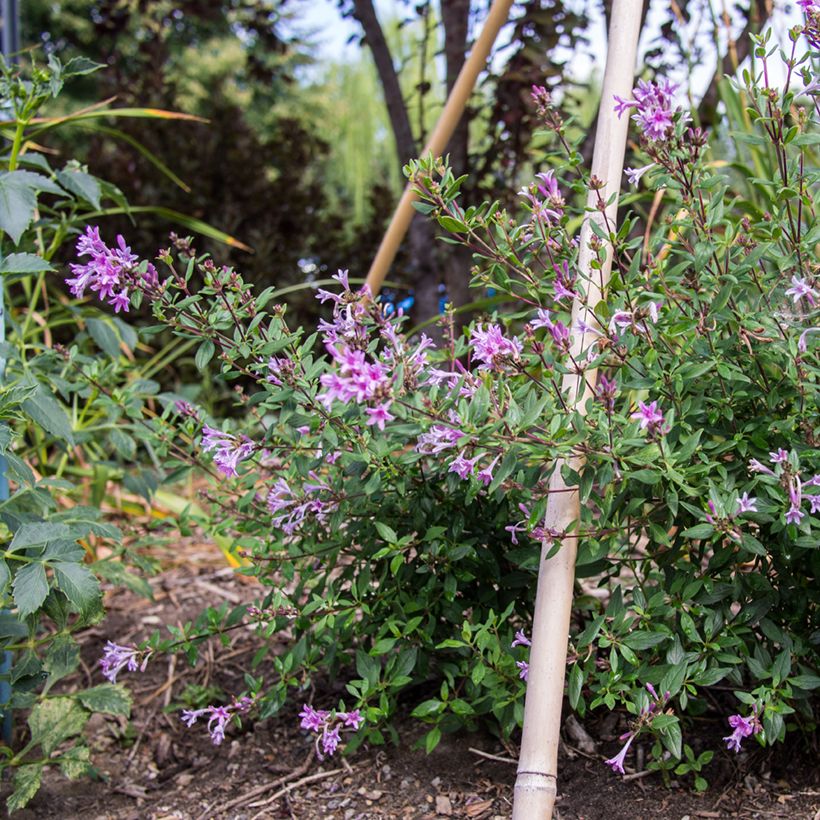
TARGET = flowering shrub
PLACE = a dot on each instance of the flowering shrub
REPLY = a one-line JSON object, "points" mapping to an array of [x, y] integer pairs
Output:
{"points": [[389, 496]]}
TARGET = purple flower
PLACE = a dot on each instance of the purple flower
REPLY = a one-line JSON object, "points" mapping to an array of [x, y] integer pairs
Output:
{"points": [[220, 717], [379, 414], [116, 657], [756, 467], [634, 174], [524, 670], [485, 474], [779, 457], [109, 273], [229, 450], [352, 719], [746, 504], [649, 417], [439, 437], [312, 719], [191, 716], [743, 727], [606, 391], [492, 348], [617, 763], [330, 740], [794, 515], [463, 467], [520, 640], [653, 108], [801, 289], [814, 500], [620, 320]]}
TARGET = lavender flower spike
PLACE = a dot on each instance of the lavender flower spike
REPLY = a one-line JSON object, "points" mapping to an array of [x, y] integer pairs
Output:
{"points": [[116, 658]]}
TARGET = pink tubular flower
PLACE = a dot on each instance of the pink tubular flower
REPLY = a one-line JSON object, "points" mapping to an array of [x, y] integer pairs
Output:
{"points": [[116, 658], [801, 289], [379, 414], [485, 474], [617, 763], [520, 639], [218, 717], [524, 670], [492, 348], [463, 467], [352, 719], [743, 727], [779, 457], [746, 504], [312, 719], [327, 726], [330, 740], [229, 450], [634, 174], [757, 467], [649, 417]]}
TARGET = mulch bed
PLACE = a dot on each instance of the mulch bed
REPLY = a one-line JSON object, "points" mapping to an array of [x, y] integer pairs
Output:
{"points": [[154, 767]]}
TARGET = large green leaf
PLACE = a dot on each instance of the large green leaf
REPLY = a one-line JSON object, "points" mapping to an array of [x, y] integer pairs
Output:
{"points": [[17, 204], [30, 588], [24, 263], [26, 785], [78, 583], [46, 411], [111, 698], [54, 720]]}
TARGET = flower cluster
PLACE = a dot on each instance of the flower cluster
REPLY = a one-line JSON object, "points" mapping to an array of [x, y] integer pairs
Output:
{"points": [[290, 510], [743, 727], [328, 726], [653, 104], [655, 707], [218, 717], [545, 199], [116, 658], [229, 450], [786, 472], [492, 348], [811, 8], [109, 271]]}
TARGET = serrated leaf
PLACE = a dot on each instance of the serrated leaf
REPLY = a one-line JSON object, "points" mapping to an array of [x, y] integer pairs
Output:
{"points": [[17, 204], [78, 583], [80, 184], [46, 411], [30, 535], [24, 263], [26, 785], [54, 720], [30, 588], [110, 698]]}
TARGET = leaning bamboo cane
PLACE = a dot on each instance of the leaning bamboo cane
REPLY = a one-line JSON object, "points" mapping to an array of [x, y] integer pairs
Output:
{"points": [[535, 786], [447, 122]]}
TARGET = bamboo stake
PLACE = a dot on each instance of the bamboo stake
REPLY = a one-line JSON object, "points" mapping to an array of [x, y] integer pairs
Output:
{"points": [[453, 109], [535, 786]]}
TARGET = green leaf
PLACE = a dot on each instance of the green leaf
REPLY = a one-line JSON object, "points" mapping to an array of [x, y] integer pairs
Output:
{"points": [[24, 263], [75, 762], [62, 658], [54, 720], [78, 583], [41, 532], [80, 184], [805, 681], [387, 533], [26, 785], [204, 354], [110, 698], [30, 588], [46, 411], [17, 204], [429, 707], [105, 336], [432, 739], [576, 681], [699, 531]]}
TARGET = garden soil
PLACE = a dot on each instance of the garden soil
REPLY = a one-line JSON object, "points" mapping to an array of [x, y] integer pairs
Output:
{"points": [[152, 767]]}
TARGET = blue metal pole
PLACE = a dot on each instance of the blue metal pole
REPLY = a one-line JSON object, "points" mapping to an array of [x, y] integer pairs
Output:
{"points": [[10, 43]]}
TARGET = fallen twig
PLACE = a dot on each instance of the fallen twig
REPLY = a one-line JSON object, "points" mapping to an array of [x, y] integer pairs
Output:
{"points": [[492, 757], [260, 790], [311, 778]]}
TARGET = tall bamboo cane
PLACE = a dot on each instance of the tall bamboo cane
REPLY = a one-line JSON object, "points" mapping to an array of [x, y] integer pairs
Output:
{"points": [[535, 786], [447, 122]]}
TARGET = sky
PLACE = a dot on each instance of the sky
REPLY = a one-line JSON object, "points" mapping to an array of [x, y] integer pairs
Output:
{"points": [[321, 20]]}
